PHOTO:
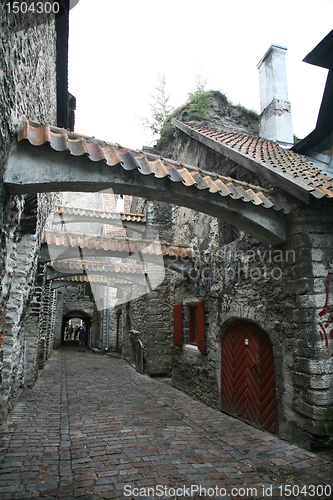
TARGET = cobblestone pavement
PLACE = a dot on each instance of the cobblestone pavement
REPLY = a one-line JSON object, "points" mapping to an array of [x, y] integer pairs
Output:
{"points": [[93, 428]]}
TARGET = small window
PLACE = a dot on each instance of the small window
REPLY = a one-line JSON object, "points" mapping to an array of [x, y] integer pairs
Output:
{"points": [[227, 233], [193, 325], [235, 233], [87, 290], [193, 322]]}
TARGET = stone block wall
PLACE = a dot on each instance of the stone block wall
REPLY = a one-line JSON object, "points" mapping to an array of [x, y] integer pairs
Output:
{"points": [[27, 87], [134, 317], [17, 327], [159, 328], [148, 318], [58, 321], [309, 342], [38, 326]]}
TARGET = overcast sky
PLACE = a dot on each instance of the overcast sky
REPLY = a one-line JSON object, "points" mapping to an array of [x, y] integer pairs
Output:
{"points": [[117, 49]]}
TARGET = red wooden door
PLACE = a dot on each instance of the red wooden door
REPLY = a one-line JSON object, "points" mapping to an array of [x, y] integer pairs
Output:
{"points": [[248, 376]]}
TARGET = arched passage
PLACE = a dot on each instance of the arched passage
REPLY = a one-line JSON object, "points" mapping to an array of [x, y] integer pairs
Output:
{"points": [[85, 317], [248, 376], [74, 163]]}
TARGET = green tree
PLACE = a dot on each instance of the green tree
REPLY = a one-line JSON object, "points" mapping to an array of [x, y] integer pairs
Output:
{"points": [[199, 100], [160, 108]]}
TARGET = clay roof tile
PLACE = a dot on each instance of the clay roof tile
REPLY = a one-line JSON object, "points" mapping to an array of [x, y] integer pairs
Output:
{"points": [[112, 155], [268, 153]]}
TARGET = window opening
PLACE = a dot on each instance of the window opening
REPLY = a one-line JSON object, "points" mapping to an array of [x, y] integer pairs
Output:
{"points": [[193, 325]]}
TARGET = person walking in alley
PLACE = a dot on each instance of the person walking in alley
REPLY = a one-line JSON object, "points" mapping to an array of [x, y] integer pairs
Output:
{"points": [[70, 332], [82, 338]]}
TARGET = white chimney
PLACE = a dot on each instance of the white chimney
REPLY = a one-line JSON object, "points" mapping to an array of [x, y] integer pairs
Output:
{"points": [[275, 121], [120, 206]]}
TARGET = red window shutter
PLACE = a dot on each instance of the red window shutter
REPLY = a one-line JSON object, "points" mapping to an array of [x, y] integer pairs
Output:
{"points": [[178, 323], [201, 325]]}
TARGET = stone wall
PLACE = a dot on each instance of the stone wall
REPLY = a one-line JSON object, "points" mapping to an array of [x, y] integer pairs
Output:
{"points": [[19, 329], [27, 87], [150, 321], [149, 317], [134, 316], [38, 326]]}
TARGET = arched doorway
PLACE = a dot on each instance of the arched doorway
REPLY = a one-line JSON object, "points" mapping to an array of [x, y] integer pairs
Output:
{"points": [[70, 317], [139, 356], [248, 376]]}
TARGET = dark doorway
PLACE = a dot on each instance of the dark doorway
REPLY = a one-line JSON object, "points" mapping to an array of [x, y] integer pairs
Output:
{"points": [[139, 356], [248, 376], [74, 318]]}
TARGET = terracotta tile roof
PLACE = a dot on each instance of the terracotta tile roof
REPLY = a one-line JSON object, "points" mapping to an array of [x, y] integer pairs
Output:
{"points": [[126, 245], [269, 154], [113, 154], [109, 203], [104, 215], [82, 278], [95, 267]]}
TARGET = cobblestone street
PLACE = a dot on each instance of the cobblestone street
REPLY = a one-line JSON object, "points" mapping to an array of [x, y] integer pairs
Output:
{"points": [[92, 427]]}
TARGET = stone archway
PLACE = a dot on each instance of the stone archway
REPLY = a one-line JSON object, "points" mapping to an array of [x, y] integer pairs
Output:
{"points": [[91, 167], [76, 313], [248, 376]]}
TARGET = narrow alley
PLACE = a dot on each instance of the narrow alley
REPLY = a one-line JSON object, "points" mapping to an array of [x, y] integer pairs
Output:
{"points": [[92, 427]]}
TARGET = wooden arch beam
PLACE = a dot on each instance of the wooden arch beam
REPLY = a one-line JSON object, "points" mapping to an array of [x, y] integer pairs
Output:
{"points": [[41, 169]]}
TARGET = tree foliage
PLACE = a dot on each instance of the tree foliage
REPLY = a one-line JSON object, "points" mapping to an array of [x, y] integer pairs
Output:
{"points": [[199, 100], [160, 108]]}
